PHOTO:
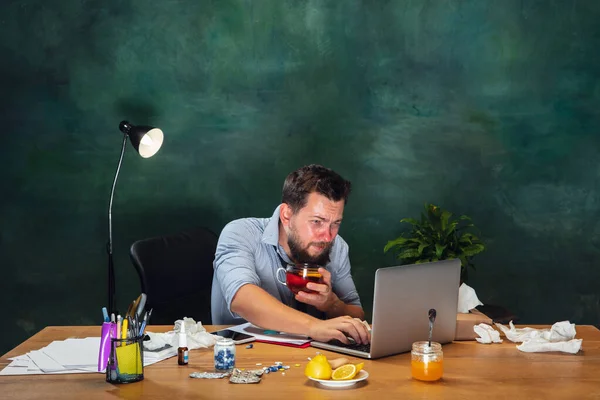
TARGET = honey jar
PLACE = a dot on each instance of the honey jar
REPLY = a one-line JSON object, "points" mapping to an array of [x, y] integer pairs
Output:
{"points": [[427, 362]]}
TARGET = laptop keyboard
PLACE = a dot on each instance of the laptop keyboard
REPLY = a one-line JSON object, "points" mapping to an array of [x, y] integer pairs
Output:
{"points": [[353, 346]]}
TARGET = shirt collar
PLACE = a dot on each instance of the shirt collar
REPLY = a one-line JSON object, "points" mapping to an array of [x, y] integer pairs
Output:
{"points": [[271, 233]]}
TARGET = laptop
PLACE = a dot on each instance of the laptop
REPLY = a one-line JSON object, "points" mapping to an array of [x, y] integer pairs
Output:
{"points": [[402, 299]]}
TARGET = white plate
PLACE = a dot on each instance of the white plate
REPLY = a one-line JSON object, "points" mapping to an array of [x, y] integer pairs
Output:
{"points": [[362, 375]]}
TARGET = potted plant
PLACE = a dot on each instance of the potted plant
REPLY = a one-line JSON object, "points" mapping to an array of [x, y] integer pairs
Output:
{"points": [[437, 236]]}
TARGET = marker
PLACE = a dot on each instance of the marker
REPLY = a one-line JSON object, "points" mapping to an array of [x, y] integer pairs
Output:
{"points": [[105, 314]]}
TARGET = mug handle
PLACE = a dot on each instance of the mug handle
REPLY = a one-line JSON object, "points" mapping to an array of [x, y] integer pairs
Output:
{"points": [[277, 275]]}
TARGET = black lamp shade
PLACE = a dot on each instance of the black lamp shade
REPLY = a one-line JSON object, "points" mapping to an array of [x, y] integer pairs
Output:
{"points": [[145, 139]]}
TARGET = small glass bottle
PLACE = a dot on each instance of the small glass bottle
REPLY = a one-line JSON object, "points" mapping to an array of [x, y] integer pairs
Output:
{"points": [[224, 355], [182, 350], [427, 362]]}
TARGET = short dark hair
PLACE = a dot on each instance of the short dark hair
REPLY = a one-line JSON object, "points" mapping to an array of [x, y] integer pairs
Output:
{"points": [[314, 178]]}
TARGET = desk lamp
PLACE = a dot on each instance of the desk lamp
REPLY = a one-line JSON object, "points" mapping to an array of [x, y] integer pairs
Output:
{"points": [[146, 140]]}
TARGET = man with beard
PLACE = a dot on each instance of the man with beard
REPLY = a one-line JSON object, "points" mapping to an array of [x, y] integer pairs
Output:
{"points": [[303, 229]]}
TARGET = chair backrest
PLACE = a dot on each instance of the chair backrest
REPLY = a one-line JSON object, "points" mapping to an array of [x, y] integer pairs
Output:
{"points": [[176, 274]]}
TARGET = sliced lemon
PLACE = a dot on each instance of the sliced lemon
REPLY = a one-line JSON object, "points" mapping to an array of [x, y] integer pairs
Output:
{"points": [[345, 372], [359, 367]]}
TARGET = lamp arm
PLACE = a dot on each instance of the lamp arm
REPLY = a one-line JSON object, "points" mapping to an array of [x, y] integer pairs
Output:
{"points": [[109, 247]]}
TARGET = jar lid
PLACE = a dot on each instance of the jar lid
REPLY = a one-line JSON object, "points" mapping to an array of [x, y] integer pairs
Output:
{"points": [[224, 340]]}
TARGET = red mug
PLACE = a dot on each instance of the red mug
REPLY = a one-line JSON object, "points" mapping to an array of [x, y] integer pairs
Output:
{"points": [[298, 275]]}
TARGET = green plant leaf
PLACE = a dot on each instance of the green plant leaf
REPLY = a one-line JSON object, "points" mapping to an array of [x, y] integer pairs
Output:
{"points": [[418, 240], [468, 238], [465, 226], [408, 253], [422, 246], [471, 250], [444, 218], [465, 240], [393, 243], [439, 250], [451, 228]]}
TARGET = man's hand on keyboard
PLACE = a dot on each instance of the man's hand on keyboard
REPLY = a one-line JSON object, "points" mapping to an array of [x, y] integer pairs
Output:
{"points": [[340, 328]]}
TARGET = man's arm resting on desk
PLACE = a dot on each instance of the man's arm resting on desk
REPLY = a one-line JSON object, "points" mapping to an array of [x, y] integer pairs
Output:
{"points": [[260, 308]]}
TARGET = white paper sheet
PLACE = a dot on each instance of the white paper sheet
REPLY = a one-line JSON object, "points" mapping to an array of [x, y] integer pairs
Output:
{"points": [[71, 356], [74, 353]]}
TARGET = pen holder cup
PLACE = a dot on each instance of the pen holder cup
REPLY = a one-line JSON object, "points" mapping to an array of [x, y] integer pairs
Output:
{"points": [[126, 360]]}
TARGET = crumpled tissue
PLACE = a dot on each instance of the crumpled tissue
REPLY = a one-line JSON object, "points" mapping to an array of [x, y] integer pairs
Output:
{"points": [[467, 299], [487, 334], [560, 337], [197, 336]]}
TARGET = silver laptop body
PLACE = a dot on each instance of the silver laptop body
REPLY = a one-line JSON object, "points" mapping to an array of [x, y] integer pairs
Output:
{"points": [[402, 298]]}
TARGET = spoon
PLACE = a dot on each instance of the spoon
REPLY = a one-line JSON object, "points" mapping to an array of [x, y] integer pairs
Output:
{"points": [[432, 314]]}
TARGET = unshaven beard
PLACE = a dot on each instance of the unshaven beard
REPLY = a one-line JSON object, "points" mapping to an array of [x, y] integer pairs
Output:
{"points": [[301, 255]]}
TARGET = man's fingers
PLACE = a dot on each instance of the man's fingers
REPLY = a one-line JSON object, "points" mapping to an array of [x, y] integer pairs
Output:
{"points": [[325, 276], [318, 287], [345, 327], [352, 330], [357, 331], [308, 298], [366, 331], [341, 337]]}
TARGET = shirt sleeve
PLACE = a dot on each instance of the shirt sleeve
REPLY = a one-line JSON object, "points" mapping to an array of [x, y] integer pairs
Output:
{"points": [[234, 259], [342, 282]]}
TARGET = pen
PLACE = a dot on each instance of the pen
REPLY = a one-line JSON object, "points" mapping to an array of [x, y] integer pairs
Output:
{"points": [[105, 314], [142, 327], [145, 321]]}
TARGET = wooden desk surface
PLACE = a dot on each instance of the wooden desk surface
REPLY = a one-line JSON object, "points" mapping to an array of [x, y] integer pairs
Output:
{"points": [[471, 370]]}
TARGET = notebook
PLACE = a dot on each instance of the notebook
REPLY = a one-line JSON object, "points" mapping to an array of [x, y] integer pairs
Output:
{"points": [[402, 298]]}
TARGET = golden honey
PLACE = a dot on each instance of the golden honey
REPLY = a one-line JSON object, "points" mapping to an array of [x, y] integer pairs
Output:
{"points": [[427, 362]]}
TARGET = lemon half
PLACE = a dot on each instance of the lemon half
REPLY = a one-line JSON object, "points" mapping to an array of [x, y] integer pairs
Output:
{"points": [[344, 373]]}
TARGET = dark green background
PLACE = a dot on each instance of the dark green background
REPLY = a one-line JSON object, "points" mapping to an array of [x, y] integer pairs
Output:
{"points": [[486, 108]]}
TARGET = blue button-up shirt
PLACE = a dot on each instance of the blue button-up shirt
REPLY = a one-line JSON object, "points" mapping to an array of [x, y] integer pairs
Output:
{"points": [[248, 252]]}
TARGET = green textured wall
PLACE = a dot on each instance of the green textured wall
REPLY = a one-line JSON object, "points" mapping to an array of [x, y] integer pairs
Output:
{"points": [[488, 108]]}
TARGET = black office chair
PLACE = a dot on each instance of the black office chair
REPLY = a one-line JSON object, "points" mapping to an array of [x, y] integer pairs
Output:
{"points": [[176, 274]]}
